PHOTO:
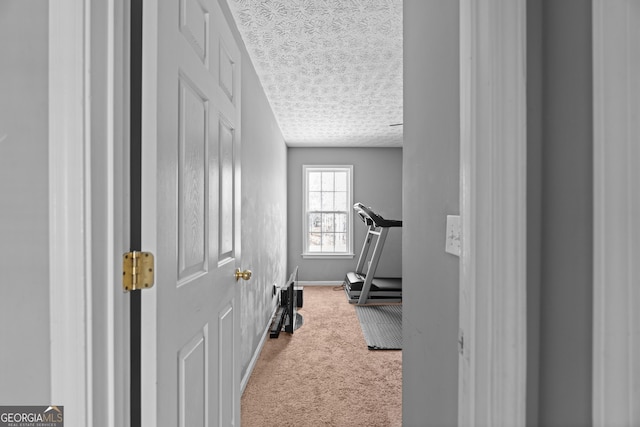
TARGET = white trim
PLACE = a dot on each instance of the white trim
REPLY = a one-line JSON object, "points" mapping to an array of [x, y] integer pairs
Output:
{"points": [[305, 191], [616, 339], [149, 341], [467, 292], [327, 256], [116, 323], [110, 207], [70, 209], [492, 379]]}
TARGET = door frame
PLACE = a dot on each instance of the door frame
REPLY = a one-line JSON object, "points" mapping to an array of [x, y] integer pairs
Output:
{"points": [[492, 363], [87, 374], [70, 210], [616, 317], [148, 231]]}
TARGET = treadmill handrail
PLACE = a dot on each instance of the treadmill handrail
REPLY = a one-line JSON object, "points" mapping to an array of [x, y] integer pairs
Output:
{"points": [[368, 216], [363, 215]]}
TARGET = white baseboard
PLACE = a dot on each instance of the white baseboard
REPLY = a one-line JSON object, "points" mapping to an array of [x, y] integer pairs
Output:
{"points": [[320, 283], [256, 354]]}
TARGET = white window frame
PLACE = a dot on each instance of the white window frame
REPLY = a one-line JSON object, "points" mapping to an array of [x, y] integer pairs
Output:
{"points": [[305, 205]]}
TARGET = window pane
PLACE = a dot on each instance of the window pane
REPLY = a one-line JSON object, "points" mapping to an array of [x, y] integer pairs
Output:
{"points": [[327, 201], [315, 222], [315, 242], [341, 181], [327, 181], [341, 242], [328, 242], [341, 201], [341, 223], [327, 222], [315, 201], [315, 181]]}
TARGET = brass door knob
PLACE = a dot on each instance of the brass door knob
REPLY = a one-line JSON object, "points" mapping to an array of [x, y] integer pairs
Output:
{"points": [[244, 275]]}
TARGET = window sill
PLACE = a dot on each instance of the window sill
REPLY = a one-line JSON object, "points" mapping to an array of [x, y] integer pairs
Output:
{"points": [[327, 256]]}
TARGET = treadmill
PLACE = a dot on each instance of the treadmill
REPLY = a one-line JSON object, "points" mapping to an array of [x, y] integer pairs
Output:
{"points": [[363, 287]]}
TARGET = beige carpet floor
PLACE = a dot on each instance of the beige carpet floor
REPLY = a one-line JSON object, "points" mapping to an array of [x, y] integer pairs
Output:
{"points": [[324, 374]]}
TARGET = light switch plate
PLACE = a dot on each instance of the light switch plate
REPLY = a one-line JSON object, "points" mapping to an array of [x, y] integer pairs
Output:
{"points": [[452, 244]]}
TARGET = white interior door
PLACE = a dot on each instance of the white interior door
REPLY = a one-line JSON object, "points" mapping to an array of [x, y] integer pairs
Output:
{"points": [[191, 177]]}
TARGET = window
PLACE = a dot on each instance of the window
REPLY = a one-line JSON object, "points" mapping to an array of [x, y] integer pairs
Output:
{"points": [[327, 221]]}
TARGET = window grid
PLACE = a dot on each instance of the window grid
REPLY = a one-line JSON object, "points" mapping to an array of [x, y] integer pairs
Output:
{"points": [[327, 210]]}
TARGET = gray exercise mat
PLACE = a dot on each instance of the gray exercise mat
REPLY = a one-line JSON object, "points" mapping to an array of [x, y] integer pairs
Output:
{"points": [[381, 326]]}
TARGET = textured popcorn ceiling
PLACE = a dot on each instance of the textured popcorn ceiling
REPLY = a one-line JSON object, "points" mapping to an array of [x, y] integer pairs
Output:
{"points": [[331, 69]]}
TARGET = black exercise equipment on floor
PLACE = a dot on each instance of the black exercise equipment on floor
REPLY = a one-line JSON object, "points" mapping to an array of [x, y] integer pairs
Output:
{"points": [[361, 287], [287, 317]]}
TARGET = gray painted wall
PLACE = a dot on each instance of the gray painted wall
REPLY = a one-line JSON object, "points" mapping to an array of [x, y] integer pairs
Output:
{"points": [[566, 294], [431, 191], [377, 183], [24, 203], [264, 209]]}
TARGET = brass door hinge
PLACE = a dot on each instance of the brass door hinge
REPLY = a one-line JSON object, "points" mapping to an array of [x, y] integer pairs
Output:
{"points": [[137, 271]]}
